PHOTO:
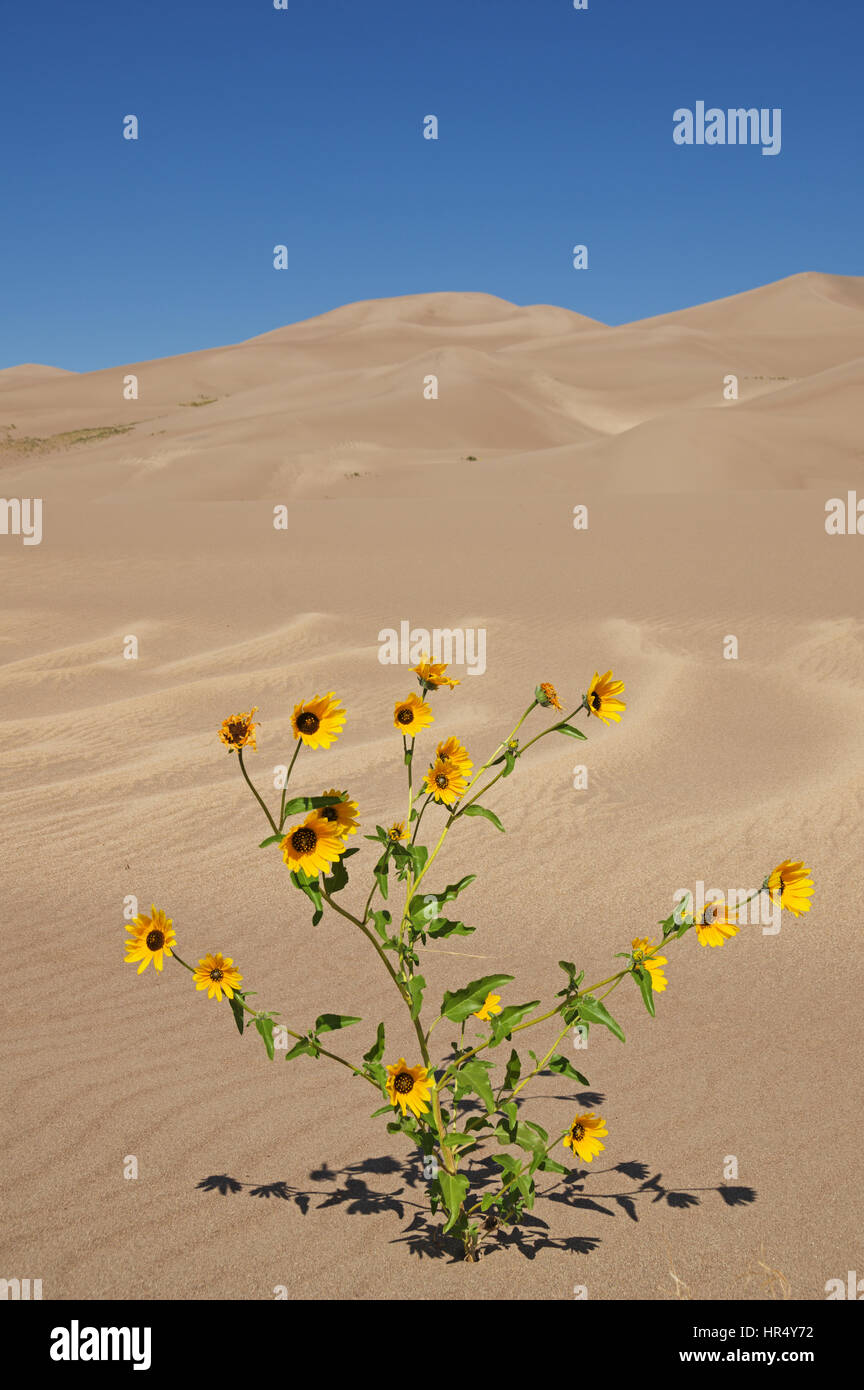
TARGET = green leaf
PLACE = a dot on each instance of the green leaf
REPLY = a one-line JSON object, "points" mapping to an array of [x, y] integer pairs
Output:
{"points": [[238, 1011], [426, 907], [337, 879], [310, 887], [509, 1109], [418, 854], [473, 1076], [444, 927], [526, 1187], [504, 1023], [562, 1067], [330, 1023], [476, 1122], [643, 980], [467, 1001], [525, 1136], [507, 1162], [303, 1048], [376, 1051], [381, 921], [513, 1071], [592, 1011], [573, 980], [475, 810], [457, 1137], [299, 804], [378, 1074], [382, 870], [569, 730], [271, 840], [544, 1135], [416, 986], [264, 1024], [551, 1165], [454, 1187]]}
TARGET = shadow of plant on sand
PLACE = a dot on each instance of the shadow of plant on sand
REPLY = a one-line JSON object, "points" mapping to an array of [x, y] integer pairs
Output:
{"points": [[580, 1190]]}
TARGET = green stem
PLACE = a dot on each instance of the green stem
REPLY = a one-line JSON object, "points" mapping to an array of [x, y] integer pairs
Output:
{"points": [[454, 815], [374, 886], [349, 917], [552, 728], [540, 1065], [287, 780], [273, 825], [290, 1031], [481, 1046], [446, 1155], [409, 758], [420, 817]]}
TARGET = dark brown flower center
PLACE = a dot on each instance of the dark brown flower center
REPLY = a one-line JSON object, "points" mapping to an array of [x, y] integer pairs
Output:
{"points": [[304, 840], [441, 780], [307, 722], [577, 1133], [216, 975], [329, 813], [237, 730], [595, 701], [155, 940], [404, 1083], [405, 715]]}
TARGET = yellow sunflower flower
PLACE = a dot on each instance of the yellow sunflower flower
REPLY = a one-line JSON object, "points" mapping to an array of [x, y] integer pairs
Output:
{"points": [[411, 715], [715, 926], [313, 846], [450, 750], [547, 695], [653, 964], [152, 939], [446, 782], [218, 975], [396, 831], [602, 700], [239, 731], [490, 1006], [431, 674], [792, 881], [343, 815], [583, 1136], [318, 722], [409, 1087]]}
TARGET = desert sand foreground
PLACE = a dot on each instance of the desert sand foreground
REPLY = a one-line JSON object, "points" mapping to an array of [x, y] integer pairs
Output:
{"points": [[706, 519]]}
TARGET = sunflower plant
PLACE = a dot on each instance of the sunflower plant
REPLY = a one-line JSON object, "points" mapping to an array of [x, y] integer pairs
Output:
{"points": [[460, 1094]]}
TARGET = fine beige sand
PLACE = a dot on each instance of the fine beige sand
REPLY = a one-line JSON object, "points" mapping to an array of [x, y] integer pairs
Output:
{"points": [[706, 519]]}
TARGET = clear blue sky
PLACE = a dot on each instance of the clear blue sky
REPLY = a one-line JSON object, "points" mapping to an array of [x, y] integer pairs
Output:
{"points": [[303, 127]]}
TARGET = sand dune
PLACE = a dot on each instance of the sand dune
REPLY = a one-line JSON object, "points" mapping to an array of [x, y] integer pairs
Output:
{"points": [[706, 519], [300, 405]]}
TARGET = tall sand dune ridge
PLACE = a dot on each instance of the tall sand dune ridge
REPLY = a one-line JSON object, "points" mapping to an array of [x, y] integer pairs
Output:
{"points": [[706, 520], [341, 404]]}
